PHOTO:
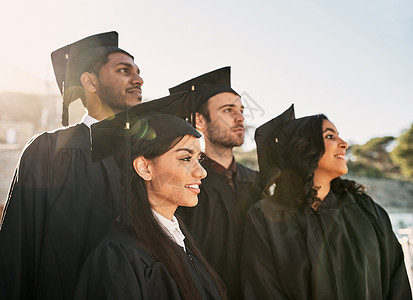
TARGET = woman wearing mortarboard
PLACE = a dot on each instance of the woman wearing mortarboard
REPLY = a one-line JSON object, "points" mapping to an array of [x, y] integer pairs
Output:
{"points": [[148, 254], [316, 235]]}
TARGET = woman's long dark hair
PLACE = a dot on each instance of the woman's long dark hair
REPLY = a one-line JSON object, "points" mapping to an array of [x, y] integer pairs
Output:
{"points": [[303, 150], [152, 236]]}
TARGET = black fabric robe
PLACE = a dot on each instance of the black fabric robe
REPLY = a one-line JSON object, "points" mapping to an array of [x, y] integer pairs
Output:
{"points": [[345, 250], [217, 222], [59, 207], [120, 268]]}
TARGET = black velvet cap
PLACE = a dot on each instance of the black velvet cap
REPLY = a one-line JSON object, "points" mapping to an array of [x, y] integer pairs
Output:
{"points": [[167, 120], [206, 86], [69, 62]]}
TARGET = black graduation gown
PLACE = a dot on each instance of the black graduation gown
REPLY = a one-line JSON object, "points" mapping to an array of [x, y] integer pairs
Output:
{"points": [[120, 268], [59, 207], [217, 222], [345, 250]]}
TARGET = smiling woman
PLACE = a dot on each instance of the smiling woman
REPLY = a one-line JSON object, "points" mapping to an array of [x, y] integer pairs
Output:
{"points": [[173, 178], [315, 235], [148, 254]]}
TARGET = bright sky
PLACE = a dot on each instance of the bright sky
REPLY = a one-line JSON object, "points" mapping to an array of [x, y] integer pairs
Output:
{"points": [[349, 59]]}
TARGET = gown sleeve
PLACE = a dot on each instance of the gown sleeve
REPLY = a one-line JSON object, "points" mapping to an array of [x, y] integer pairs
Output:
{"points": [[258, 273], [392, 257], [108, 274], [116, 270], [22, 227]]}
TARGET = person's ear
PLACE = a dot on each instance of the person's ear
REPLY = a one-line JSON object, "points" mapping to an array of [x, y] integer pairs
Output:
{"points": [[143, 167], [89, 81], [200, 122]]}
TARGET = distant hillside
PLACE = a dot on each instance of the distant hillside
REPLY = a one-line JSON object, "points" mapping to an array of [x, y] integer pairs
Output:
{"points": [[44, 111], [393, 195]]}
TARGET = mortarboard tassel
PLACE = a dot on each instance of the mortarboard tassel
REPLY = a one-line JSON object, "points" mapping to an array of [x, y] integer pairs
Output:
{"points": [[65, 114], [127, 173], [65, 107]]}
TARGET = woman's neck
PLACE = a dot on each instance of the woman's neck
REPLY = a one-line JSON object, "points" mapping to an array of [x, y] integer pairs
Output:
{"points": [[167, 212], [323, 192], [323, 187]]}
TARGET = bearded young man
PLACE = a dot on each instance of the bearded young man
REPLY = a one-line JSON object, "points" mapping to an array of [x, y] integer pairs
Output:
{"points": [[60, 203], [230, 188]]}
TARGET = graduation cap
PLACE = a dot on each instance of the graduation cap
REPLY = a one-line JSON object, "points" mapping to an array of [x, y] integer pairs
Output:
{"points": [[206, 86], [273, 140], [145, 125], [69, 62], [108, 135], [269, 145]]}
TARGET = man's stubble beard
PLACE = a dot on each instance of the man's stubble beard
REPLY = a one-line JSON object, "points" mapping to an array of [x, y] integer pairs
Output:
{"points": [[112, 97], [222, 138]]}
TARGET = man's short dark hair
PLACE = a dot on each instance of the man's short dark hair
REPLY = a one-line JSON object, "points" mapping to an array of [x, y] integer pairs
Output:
{"points": [[204, 110]]}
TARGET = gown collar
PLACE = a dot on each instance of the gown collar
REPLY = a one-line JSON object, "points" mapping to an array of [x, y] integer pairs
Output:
{"points": [[88, 120], [171, 228], [333, 200]]}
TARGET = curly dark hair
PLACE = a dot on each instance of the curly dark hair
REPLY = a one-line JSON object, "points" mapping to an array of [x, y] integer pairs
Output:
{"points": [[302, 150]]}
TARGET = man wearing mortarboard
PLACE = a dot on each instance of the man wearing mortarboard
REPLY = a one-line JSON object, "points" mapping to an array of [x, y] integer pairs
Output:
{"points": [[229, 189], [60, 203]]}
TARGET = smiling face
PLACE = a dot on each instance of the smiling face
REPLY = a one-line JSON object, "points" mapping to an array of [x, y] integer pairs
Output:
{"points": [[175, 177], [332, 164], [119, 82], [225, 126]]}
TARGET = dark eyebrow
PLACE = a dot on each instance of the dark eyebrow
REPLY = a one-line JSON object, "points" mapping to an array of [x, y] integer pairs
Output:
{"points": [[124, 64], [329, 129], [230, 105], [127, 65], [190, 151]]}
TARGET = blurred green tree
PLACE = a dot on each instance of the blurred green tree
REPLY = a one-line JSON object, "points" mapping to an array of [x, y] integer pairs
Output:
{"points": [[373, 158], [402, 154]]}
